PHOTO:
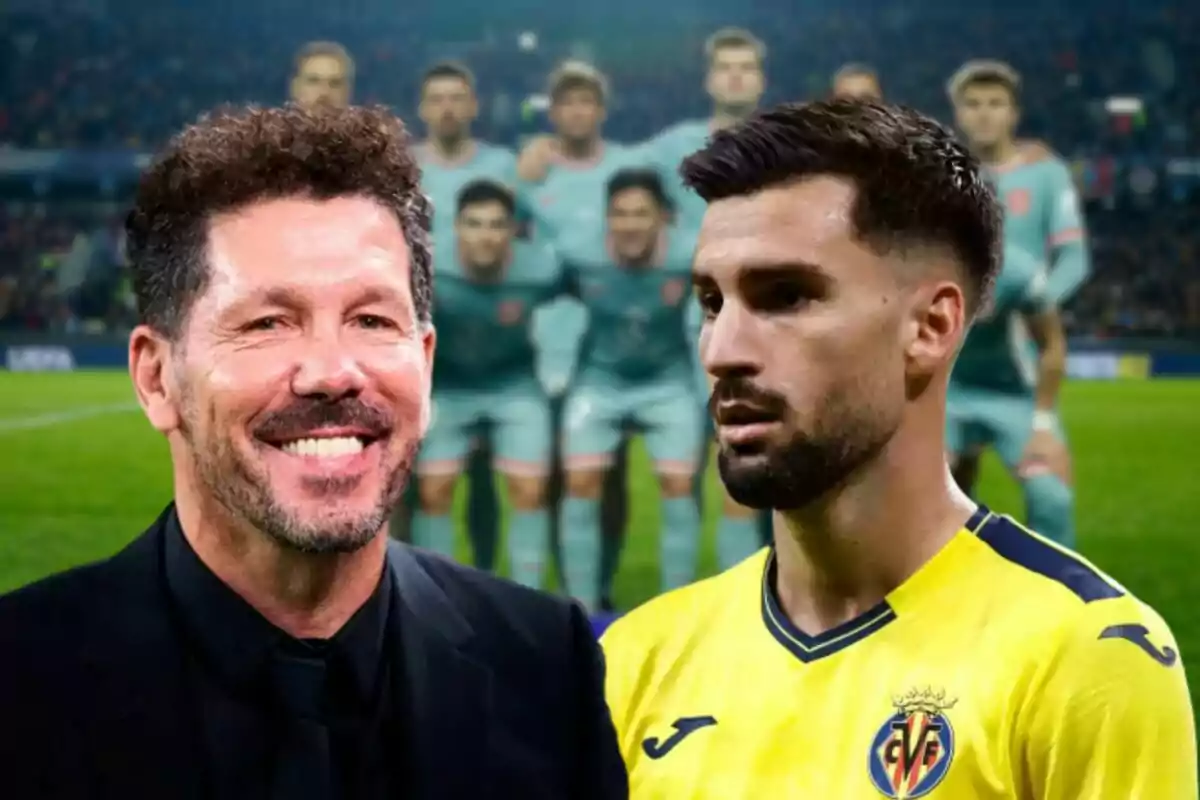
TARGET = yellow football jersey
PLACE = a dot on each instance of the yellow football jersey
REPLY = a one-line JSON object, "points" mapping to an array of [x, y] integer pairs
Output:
{"points": [[1006, 667]]}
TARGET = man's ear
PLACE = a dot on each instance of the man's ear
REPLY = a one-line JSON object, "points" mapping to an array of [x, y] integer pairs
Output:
{"points": [[428, 347], [938, 322], [150, 369]]}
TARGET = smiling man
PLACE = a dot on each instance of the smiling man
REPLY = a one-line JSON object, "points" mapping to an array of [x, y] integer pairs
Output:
{"points": [[261, 639]]}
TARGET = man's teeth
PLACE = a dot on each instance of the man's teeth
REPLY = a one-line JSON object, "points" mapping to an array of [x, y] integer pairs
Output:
{"points": [[324, 448]]}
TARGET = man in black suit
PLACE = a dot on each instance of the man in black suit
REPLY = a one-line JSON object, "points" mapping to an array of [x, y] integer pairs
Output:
{"points": [[261, 640]]}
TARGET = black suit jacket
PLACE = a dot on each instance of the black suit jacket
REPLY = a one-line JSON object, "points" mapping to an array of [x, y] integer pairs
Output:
{"points": [[501, 686]]}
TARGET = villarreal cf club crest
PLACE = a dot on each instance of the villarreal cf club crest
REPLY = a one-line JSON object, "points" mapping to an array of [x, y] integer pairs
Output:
{"points": [[912, 751]]}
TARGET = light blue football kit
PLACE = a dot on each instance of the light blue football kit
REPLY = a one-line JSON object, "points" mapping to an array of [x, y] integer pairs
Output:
{"points": [[485, 372], [991, 395], [568, 204], [1042, 216], [635, 366], [737, 536], [666, 152], [441, 181]]}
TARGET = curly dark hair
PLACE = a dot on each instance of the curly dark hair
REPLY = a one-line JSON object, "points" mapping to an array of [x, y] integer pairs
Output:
{"points": [[917, 185], [236, 156]]}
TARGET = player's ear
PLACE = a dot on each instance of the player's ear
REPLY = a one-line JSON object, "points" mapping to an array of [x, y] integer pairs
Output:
{"points": [[937, 325], [150, 368]]}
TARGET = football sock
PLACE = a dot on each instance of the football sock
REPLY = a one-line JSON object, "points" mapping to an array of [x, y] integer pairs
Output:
{"points": [[1050, 508], [680, 541], [579, 533], [737, 539], [528, 546]]}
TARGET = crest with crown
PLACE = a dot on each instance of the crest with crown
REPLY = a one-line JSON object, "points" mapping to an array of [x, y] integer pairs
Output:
{"points": [[926, 701]]}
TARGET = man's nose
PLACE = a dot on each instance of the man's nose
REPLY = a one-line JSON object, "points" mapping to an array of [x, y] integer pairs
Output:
{"points": [[328, 369], [733, 344]]}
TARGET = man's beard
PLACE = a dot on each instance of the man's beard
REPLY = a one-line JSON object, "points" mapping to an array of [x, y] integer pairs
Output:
{"points": [[245, 490], [808, 466]]}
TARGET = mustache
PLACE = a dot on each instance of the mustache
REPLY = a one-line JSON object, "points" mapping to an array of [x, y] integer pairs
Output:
{"points": [[312, 414], [742, 391]]}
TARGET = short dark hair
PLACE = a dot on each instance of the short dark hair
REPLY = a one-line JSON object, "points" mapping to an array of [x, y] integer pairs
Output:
{"points": [[448, 69], [917, 185], [483, 191], [239, 155], [984, 72], [328, 49], [638, 178]]}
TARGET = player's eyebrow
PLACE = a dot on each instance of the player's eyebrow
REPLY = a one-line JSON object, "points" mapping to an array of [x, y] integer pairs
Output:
{"points": [[771, 271], [794, 270]]}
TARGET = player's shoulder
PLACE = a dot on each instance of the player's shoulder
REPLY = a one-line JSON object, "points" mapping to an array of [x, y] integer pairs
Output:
{"points": [[680, 615], [1068, 604], [1044, 567], [497, 154], [1070, 594], [1037, 154], [620, 156], [685, 131]]}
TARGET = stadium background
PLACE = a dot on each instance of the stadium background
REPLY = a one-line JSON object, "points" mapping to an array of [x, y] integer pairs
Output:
{"points": [[88, 87]]}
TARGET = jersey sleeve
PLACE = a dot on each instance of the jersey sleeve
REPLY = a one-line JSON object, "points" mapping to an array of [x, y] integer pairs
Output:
{"points": [[1066, 218], [1070, 263], [1111, 717], [523, 212]]}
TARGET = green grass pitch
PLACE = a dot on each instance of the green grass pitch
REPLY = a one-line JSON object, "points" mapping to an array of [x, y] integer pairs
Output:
{"points": [[81, 473]]}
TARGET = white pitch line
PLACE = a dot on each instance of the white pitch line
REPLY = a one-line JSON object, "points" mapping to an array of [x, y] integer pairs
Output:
{"points": [[14, 424]]}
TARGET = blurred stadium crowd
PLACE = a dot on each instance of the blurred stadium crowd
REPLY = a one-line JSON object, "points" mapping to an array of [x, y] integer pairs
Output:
{"points": [[95, 76]]}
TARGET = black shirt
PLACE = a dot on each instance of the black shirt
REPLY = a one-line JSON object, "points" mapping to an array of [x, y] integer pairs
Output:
{"points": [[231, 647]]}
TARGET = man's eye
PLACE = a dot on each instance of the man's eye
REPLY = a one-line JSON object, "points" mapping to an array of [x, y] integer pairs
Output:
{"points": [[374, 322], [710, 303], [264, 324], [783, 296]]}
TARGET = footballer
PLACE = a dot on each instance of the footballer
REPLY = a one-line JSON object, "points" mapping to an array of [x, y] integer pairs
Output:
{"points": [[1042, 219], [897, 640]]}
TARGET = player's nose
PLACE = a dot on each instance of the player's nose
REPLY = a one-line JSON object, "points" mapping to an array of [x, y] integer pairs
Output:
{"points": [[733, 343]]}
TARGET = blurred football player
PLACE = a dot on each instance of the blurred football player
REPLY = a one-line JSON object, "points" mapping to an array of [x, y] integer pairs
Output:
{"points": [[1041, 217], [856, 82], [450, 158], [635, 367], [1004, 390], [564, 177], [488, 284], [323, 74], [898, 640], [735, 81]]}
